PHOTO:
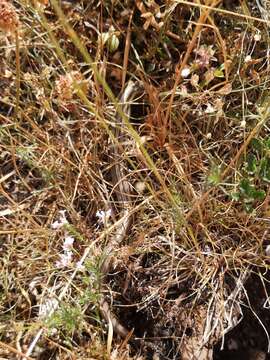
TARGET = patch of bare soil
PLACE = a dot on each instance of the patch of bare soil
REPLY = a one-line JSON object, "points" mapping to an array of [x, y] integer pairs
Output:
{"points": [[164, 320], [250, 339]]}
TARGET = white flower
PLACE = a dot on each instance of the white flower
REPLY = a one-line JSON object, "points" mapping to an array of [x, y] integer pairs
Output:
{"points": [[267, 250], [207, 250], [65, 259], [243, 124], [63, 214], [140, 186], [56, 225], [68, 243], [104, 216], [61, 222], [257, 37], [209, 109], [247, 59], [80, 266], [185, 72]]}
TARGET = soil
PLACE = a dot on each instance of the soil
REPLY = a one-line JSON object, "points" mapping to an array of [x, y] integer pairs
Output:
{"points": [[249, 340], [252, 334]]}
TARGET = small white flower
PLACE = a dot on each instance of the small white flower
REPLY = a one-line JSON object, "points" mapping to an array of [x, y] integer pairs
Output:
{"points": [[68, 243], [267, 250], [209, 109], [257, 37], [207, 250], [104, 216], [247, 59], [62, 213], [185, 72], [56, 225], [61, 222], [63, 218], [80, 266], [243, 124], [140, 186], [65, 259]]}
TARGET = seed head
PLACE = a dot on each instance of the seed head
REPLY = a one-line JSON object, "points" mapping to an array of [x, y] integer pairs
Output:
{"points": [[64, 88], [65, 85], [9, 21]]}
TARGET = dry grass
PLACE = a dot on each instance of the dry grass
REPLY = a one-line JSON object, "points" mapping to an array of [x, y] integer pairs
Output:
{"points": [[201, 213]]}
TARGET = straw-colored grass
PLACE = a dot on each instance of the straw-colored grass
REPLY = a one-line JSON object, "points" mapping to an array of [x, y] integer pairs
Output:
{"points": [[195, 150]]}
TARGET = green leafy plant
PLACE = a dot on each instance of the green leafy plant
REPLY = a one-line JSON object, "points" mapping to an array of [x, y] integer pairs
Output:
{"points": [[255, 174], [214, 176], [67, 319]]}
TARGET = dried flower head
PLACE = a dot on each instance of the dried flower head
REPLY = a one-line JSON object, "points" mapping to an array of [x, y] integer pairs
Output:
{"points": [[9, 21], [65, 85], [205, 54], [66, 89]]}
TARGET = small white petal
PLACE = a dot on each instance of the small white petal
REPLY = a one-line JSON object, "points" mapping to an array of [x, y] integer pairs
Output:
{"points": [[210, 109], [65, 259], [68, 255], [257, 37], [56, 225], [63, 218], [80, 266], [104, 216], [61, 222], [140, 186], [243, 123], [185, 72], [68, 243], [62, 213]]}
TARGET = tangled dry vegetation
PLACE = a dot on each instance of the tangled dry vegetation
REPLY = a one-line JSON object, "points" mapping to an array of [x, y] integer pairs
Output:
{"points": [[196, 153]]}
